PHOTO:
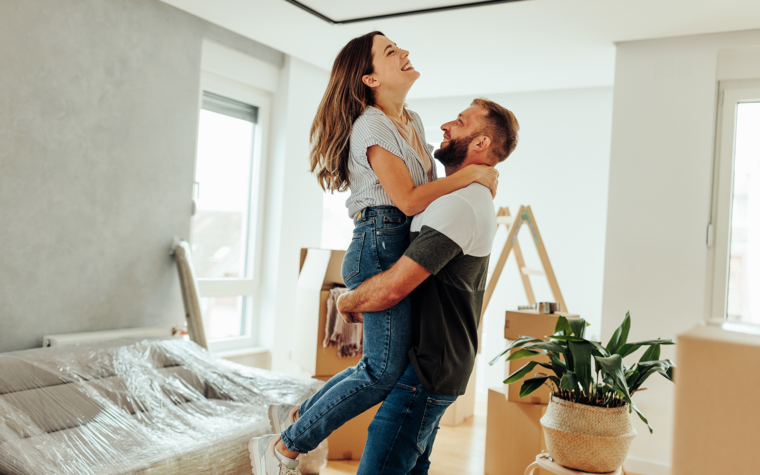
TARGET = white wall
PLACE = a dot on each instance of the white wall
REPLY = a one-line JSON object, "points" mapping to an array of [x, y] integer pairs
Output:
{"points": [[293, 204], [560, 169], [663, 136]]}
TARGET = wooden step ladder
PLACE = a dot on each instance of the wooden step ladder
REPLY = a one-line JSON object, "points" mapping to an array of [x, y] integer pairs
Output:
{"points": [[513, 224]]}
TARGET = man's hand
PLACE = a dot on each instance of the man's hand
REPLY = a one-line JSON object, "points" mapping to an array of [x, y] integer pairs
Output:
{"points": [[382, 291], [349, 317], [353, 317]]}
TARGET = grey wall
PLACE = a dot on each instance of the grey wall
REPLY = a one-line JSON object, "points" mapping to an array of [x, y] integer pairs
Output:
{"points": [[98, 120]]}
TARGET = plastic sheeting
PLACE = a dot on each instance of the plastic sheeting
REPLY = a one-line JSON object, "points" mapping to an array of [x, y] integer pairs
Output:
{"points": [[128, 406]]}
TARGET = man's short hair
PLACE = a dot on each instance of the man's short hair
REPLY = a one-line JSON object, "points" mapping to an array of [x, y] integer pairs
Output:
{"points": [[501, 126]]}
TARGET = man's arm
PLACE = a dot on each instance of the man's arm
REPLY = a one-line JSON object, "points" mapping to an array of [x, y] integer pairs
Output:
{"points": [[382, 291]]}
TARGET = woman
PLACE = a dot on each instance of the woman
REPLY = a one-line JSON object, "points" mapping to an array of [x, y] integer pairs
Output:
{"points": [[364, 139]]}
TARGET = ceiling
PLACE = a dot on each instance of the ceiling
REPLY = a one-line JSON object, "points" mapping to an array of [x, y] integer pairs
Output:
{"points": [[510, 47], [343, 10]]}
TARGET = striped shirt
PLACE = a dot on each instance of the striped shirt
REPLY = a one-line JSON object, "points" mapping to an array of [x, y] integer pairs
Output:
{"points": [[373, 127]]}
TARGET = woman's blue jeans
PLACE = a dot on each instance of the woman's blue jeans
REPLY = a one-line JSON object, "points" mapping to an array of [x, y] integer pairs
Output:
{"points": [[381, 235]]}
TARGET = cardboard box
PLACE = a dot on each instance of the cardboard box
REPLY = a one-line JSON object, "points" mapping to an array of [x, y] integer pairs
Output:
{"points": [[347, 443], [539, 396], [715, 428], [538, 325], [513, 435], [320, 271]]}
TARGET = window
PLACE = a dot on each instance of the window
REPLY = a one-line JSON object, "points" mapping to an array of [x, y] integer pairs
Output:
{"points": [[223, 186], [736, 208], [224, 226], [337, 226]]}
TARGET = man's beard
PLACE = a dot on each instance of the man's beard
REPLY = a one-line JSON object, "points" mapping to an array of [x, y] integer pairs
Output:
{"points": [[455, 152]]}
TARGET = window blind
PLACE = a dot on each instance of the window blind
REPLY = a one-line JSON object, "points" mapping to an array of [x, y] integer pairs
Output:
{"points": [[223, 105]]}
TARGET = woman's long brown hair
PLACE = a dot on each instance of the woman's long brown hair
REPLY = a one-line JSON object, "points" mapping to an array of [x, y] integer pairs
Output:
{"points": [[344, 101]]}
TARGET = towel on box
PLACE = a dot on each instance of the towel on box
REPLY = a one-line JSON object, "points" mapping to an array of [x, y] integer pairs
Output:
{"points": [[346, 336]]}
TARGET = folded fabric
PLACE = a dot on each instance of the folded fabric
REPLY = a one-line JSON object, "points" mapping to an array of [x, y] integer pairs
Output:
{"points": [[346, 336]]}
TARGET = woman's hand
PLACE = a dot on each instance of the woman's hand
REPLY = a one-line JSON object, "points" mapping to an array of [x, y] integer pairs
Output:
{"points": [[486, 176]]}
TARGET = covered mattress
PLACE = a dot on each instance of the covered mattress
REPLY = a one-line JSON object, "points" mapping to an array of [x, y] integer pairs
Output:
{"points": [[134, 406]]}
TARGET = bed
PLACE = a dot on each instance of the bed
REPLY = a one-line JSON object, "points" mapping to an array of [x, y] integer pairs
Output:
{"points": [[161, 406]]}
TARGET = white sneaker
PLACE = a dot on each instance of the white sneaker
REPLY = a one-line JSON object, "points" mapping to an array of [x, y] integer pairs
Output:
{"points": [[265, 462], [281, 416]]}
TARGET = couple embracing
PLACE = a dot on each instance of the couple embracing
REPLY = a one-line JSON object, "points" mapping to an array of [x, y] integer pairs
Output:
{"points": [[416, 265]]}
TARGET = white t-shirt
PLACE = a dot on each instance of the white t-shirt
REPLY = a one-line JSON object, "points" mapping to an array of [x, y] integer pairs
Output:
{"points": [[452, 239]]}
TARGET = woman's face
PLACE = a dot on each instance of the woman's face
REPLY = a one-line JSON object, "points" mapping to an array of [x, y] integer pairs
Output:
{"points": [[393, 70]]}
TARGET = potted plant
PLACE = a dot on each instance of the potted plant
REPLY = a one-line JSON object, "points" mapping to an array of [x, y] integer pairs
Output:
{"points": [[587, 424]]}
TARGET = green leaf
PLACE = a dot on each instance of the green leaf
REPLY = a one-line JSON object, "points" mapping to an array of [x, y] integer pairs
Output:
{"points": [[613, 369], [557, 362], [562, 326], [620, 336], [523, 353], [600, 349], [515, 344], [582, 356], [651, 354], [665, 364], [567, 338], [654, 342], [568, 355], [630, 348], [578, 326], [663, 367], [520, 373], [631, 379], [532, 384], [569, 381], [641, 416], [547, 345], [627, 349], [558, 366]]}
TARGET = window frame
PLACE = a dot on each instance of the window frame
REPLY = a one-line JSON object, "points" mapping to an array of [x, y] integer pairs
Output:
{"points": [[731, 94], [248, 287]]}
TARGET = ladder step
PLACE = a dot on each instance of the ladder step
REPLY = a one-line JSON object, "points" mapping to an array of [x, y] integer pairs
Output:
{"points": [[529, 271], [506, 220]]}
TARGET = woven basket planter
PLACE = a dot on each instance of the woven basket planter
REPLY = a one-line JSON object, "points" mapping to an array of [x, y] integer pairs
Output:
{"points": [[587, 438]]}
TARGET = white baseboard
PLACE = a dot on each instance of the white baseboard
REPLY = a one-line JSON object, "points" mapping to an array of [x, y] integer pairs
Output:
{"points": [[256, 357], [646, 467]]}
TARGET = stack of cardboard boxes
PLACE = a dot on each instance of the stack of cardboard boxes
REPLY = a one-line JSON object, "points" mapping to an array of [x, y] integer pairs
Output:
{"points": [[713, 434], [513, 430], [320, 272]]}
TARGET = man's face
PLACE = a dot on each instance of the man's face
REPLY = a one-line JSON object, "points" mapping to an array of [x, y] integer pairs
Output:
{"points": [[457, 136]]}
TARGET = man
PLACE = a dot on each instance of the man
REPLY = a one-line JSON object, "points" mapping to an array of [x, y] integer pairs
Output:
{"points": [[445, 270]]}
